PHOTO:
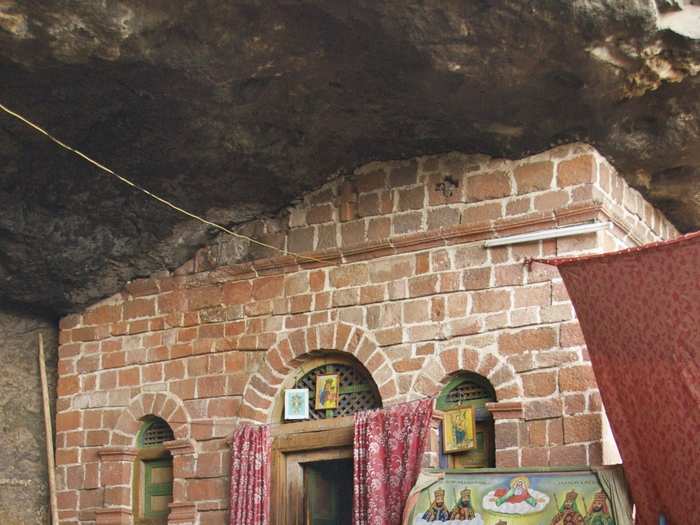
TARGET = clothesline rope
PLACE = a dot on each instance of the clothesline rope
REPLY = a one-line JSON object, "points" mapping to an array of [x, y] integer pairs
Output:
{"points": [[152, 195]]}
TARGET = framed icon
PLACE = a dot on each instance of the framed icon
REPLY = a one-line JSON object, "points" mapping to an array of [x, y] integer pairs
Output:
{"points": [[458, 430], [296, 403], [327, 391]]}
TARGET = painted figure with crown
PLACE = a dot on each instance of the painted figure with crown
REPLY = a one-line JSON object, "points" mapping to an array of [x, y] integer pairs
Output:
{"points": [[438, 509], [463, 509], [568, 511], [598, 513]]}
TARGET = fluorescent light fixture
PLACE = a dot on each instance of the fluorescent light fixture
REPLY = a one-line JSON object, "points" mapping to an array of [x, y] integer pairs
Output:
{"points": [[554, 233]]}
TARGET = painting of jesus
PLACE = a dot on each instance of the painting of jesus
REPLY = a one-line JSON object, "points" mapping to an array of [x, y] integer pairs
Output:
{"points": [[326, 391], [458, 430]]}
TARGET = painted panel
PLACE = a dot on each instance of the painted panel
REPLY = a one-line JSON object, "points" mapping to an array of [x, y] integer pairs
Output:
{"points": [[512, 498]]}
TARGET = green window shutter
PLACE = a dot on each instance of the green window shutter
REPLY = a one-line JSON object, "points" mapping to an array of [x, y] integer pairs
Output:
{"points": [[158, 487]]}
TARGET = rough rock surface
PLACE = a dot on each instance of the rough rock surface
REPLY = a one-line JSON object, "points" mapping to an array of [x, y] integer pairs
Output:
{"points": [[234, 108], [23, 479]]}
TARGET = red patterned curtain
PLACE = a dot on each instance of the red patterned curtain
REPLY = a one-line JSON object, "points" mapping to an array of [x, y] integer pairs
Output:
{"points": [[249, 502], [640, 314], [388, 451]]}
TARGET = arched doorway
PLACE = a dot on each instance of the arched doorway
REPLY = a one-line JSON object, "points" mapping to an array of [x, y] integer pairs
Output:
{"points": [[469, 389], [312, 459], [153, 475]]}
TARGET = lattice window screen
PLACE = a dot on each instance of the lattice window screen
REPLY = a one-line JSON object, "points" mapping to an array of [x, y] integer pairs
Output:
{"points": [[157, 433], [357, 390], [466, 391]]}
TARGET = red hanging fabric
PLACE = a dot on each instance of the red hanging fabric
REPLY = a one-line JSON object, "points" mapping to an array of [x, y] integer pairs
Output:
{"points": [[388, 450], [639, 310], [249, 502]]}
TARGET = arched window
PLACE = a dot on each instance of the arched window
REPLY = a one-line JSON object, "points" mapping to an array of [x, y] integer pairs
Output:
{"points": [[469, 389], [153, 489], [357, 390]]}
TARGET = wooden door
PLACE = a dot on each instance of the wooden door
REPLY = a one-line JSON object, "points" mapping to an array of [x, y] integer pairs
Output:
{"points": [[297, 450], [328, 492]]}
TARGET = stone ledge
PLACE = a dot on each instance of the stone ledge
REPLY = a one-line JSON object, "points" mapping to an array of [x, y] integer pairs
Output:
{"points": [[117, 453], [180, 447], [506, 410], [458, 234], [116, 516]]}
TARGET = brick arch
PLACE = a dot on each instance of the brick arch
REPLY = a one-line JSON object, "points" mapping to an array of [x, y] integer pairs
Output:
{"points": [[285, 357], [164, 405], [439, 370]]}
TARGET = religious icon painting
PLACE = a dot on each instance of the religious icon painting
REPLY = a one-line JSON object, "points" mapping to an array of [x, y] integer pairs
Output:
{"points": [[458, 430], [296, 403], [327, 391]]}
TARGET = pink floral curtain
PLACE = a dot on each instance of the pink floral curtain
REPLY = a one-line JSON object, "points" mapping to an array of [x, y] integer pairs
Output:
{"points": [[388, 451], [639, 310], [249, 501]]}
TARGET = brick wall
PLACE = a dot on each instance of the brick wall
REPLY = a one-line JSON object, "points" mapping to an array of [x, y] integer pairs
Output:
{"points": [[407, 288]]}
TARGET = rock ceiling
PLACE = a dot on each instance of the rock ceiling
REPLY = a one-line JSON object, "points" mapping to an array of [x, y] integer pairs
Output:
{"points": [[234, 108]]}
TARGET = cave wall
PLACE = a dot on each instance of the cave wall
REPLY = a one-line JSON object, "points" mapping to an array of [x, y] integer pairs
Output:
{"points": [[23, 475]]}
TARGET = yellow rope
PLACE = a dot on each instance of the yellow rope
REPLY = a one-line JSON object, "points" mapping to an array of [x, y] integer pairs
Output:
{"points": [[150, 194]]}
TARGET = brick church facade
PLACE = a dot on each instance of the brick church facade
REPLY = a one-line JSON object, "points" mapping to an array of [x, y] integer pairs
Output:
{"points": [[405, 287]]}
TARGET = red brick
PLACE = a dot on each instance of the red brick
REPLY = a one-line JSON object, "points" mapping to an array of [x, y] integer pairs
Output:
{"points": [[490, 301], [174, 370], [532, 296], [571, 335], [404, 174], [223, 407], [460, 327], [68, 385], [139, 308], [67, 499], [211, 386], [69, 321], [65, 456], [422, 285], [319, 214], [349, 275], [68, 421], [576, 171], [527, 340], [493, 185], [408, 365], [129, 377], [481, 213], [582, 428], [209, 465], [540, 384], [567, 455], [416, 311], [544, 409], [551, 200], [83, 334], [96, 438], [507, 458], [508, 274], [534, 457], [204, 297], [103, 314], [536, 176], [379, 229], [141, 287], [411, 199], [407, 222], [477, 278], [238, 292], [576, 378], [555, 431], [537, 433], [268, 287]]}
